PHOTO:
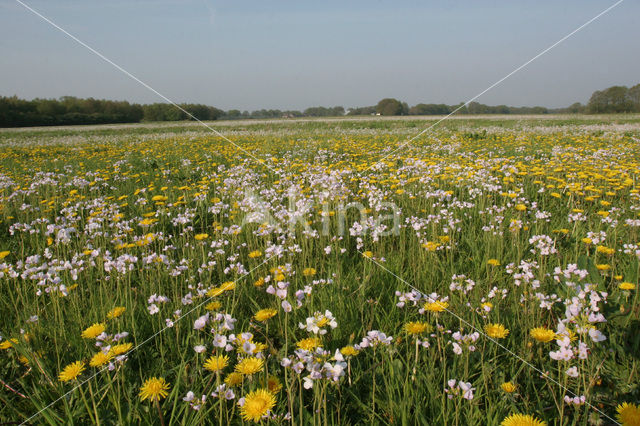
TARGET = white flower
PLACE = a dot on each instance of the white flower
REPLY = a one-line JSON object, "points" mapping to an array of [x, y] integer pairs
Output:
{"points": [[220, 341], [335, 371], [201, 322], [467, 390], [576, 400], [248, 347], [572, 372], [596, 335], [457, 349], [308, 382], [563, 354]]}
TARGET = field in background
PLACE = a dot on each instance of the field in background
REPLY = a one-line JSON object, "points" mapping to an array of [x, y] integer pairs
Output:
{"points": [[180, 279], [411, 125]]}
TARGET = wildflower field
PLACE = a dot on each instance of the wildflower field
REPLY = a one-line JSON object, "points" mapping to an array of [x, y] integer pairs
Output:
{"points": [[322, 272]]}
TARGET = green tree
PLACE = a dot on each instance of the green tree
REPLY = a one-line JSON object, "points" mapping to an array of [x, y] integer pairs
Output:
{"points": [[430, 109], [390, 106], [367, 110], [634, 97], [576, 108], [233, 114], [612, 99]]}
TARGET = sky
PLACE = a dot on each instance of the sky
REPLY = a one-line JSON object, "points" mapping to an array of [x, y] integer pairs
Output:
{"points": [[250, 55]]}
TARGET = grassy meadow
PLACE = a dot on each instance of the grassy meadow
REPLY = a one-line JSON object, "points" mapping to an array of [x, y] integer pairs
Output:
{"points": [[319, 272]]}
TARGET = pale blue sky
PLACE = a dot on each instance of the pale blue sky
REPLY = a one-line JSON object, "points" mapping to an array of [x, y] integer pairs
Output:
{"points": [[296, 54]]}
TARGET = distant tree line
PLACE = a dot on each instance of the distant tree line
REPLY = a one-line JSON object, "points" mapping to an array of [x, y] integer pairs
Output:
{"points": [[68, 110], [320, 111], [615, 99], [390, 106]]}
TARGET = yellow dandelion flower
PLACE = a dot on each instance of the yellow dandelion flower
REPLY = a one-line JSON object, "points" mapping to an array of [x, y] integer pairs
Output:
{"points": [[603, 267], [100, 359], [606, 250], [249, 366], [4, 254], [257, 404], [368, 254], [274, 385], [521, 207], [508, 387], [255, 253], [213, 306], [116, 312], [522, 420], [542, 334], [120, 348], [228, 286], [349, 351], [154, 389], [493, 262], [216, 291], [259, 282], [216, 363], [309, 344], [628, 414], [308, 272], [201, 237], [416, 328], [147, 222], [94, 331], [431, 246], [626, 286], [71, 371], [233, 379], [437, 306], [264, 314], [6, 344], [496, 331]]}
